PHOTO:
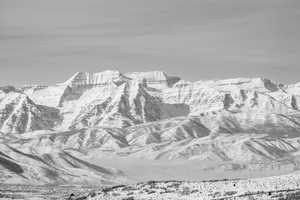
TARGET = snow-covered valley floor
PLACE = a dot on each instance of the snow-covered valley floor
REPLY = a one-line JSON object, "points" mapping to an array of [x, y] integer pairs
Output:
{"points": [[284, 187]]}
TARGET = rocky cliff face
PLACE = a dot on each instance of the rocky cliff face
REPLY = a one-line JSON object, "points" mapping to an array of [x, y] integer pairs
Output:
{"points": [[19, 114], [113, 99], [152, 115]]}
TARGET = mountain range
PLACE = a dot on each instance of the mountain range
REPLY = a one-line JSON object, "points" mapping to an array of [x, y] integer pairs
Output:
{"points": [[67, 132]]}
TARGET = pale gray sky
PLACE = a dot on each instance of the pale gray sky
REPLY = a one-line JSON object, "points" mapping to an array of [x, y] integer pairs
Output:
{"points": [[46, 41]]}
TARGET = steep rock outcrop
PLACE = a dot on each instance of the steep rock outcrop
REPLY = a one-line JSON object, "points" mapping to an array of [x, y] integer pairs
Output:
{"points": [[19, 114]]}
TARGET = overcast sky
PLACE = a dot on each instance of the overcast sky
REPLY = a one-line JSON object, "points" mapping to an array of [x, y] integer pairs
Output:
{"points": [[46, 41]]}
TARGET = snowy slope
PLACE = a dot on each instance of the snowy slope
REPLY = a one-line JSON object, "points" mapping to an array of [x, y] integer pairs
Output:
{"points": [[19, 114], [55, 167], [241, 123]]}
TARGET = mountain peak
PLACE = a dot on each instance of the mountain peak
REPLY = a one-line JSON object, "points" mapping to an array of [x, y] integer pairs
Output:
{"points": [[153, 78], [86, 78], [259, 83], [20, 114], [148, 115], [8, 89]]}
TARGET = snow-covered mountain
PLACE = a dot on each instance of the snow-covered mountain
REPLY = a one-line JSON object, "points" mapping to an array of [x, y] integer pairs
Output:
{"points": [[19, 114], [241, 123]]}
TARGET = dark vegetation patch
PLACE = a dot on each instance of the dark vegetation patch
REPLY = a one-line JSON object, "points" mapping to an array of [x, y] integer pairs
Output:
{"points": [[51, 174], [11, 166]]}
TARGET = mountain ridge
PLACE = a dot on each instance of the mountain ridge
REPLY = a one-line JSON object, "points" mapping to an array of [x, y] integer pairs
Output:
{"points": [[238, 124]]}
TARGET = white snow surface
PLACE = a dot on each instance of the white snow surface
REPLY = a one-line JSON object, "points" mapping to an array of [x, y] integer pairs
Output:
{"points": [[241, 124]]}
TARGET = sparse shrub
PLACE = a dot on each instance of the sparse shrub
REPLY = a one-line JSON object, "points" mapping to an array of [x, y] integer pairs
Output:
{"points": [[150, 192], [128, 188], [194, 191], [230, 193], [174, 185], [128, 198], [217, 194]]}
